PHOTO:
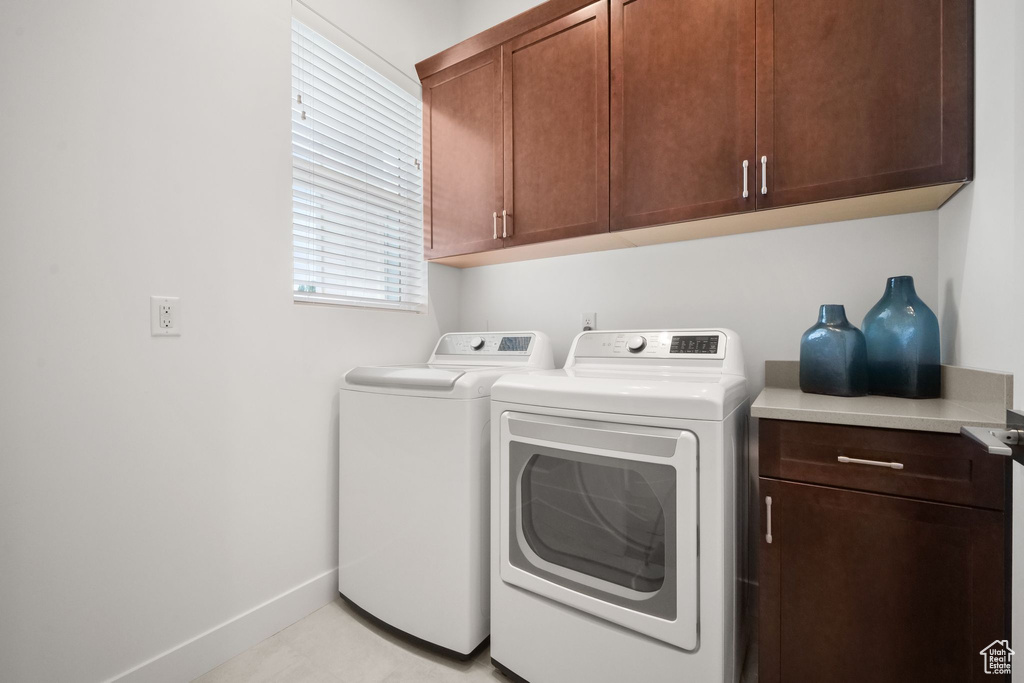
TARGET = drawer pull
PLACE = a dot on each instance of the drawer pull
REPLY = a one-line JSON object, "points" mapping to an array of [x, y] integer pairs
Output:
{"points": [[764, 175], [745, 192], [504, 223], [768, 505], [877, 463], [495, 225]]}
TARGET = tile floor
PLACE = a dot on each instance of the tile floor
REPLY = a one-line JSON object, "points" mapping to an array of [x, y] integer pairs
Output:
{"points": [[335, 645]]}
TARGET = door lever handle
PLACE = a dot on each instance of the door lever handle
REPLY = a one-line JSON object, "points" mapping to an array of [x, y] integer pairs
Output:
{"points": [[996, 441]]}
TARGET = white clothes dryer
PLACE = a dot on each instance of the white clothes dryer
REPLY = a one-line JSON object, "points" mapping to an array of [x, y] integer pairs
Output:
{"points": [[413, 486], [617, 511]]}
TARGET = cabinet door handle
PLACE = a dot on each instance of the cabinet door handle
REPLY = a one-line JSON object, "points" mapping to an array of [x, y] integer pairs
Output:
{"points": [[877, 463], [764, 175], [745, 165], [495, 225], [504, 223], [768, 506]]}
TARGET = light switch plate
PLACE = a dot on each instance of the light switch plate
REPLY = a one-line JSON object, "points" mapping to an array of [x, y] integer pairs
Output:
{"points": [[165, 316]]}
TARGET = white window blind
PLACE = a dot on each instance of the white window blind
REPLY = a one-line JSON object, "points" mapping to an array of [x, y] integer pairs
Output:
{"points": [[357, 186]]}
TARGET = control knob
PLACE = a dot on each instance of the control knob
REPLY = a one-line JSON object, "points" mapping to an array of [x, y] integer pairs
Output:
{"points": [[636, 344], [476, 343]]}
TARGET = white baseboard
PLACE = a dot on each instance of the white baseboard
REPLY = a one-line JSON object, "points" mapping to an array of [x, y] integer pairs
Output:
{"points": [[207, 650]]}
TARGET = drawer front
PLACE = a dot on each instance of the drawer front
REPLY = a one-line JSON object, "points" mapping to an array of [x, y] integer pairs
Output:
{"points": [[944, 468]]}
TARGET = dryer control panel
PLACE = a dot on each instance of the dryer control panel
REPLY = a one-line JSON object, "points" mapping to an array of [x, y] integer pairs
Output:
{"points": [[661, 344]]}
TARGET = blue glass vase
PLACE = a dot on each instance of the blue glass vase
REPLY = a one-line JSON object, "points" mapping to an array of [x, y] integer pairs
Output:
{"points": [[833, 356], [903, 343]]}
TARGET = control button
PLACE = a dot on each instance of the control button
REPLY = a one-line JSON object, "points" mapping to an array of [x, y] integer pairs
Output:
{"points": [[476, 343], [636, 344]]}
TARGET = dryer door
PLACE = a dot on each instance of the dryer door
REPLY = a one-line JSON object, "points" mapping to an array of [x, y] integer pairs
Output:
{"points": [[603, 517]]}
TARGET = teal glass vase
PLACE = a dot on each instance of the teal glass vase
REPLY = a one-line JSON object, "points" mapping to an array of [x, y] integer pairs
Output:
{"points": [[833, 356], [902, 336]]}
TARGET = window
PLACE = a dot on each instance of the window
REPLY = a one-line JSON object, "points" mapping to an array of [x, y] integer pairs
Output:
{"points": [[357, 186]]}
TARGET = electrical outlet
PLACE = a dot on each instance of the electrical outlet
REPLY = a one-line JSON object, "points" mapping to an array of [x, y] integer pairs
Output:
{"points": [[589, 321], [165, 316]]}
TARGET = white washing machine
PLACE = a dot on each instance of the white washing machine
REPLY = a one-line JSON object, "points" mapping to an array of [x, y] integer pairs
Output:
{"points": [[617, 512], [413, 486]]}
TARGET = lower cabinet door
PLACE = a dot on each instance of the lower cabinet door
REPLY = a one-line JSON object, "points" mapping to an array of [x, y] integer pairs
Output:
{"points": [[858, 587]]}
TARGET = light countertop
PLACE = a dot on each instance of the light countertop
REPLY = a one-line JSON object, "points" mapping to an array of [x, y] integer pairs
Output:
{"points": [[969, 397]]}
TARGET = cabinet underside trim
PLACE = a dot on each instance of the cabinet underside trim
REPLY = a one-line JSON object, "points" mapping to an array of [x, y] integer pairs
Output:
{"points": [[870, 206]]}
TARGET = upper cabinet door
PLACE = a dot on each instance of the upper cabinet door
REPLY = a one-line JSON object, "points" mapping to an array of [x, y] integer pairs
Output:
{"points": [[462, 174], [556, 129], [862, 96], [682, 110]]}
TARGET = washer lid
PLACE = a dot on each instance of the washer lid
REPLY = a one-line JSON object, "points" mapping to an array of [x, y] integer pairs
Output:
{"points": [[406, 377], [431, 380], [655, 394]]}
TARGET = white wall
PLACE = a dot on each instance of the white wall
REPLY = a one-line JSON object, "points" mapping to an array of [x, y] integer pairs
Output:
{"points": [[477, 15], [402, 32], [766, 285], [1018, 219], [151, 489], [981, 230], [981, 237]]}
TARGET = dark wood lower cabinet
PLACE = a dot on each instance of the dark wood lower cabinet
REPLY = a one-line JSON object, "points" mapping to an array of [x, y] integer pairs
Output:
{"points": [[859, 586]]}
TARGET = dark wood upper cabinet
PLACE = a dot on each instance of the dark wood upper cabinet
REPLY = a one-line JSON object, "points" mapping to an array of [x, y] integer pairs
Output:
{"points": [[616, 123], [862, 587], [682, 110], [555, 90], [462, 154], [862, 96]]}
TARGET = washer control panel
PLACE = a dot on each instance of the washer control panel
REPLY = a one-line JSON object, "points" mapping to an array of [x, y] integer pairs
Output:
{"points": [[664, 344], [515, 344]]}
